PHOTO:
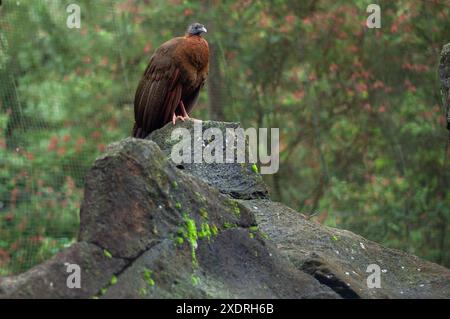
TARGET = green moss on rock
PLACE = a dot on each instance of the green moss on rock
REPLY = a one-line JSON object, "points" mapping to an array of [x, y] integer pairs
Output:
{"points": [[107, 254], [113, 280], [147, 275]]}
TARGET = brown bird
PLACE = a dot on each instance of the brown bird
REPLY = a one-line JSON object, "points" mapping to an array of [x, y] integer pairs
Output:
{"points": [[171, 82]]}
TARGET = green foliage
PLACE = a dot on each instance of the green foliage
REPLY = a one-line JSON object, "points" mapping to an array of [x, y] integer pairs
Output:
{"points": [[51, 126], [361, 126]]}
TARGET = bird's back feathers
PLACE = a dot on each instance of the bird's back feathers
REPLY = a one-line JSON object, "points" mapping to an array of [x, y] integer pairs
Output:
{"points": [[176, 71]]}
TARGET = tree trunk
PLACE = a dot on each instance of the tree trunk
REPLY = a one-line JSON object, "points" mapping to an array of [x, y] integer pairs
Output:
{"points": [[215, 85]]}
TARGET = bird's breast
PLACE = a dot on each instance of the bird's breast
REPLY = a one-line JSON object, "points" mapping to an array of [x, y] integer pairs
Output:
{"points": [[198, 56], [193, 65], [193, 55]]}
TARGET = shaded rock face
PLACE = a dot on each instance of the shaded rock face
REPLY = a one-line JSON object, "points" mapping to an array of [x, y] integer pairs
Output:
{"points": [[150, 229]]}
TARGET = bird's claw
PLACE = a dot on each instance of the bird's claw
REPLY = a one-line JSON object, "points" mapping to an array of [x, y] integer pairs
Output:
{"points": [[176, 117]]}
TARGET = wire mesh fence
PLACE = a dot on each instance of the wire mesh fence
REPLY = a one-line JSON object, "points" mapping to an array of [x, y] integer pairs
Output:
{"points": [[66, 91], [359, 113], [52, 86]]}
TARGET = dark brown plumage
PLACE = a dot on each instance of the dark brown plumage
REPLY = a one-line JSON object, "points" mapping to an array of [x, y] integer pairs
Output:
{"points": [[171, 82]]}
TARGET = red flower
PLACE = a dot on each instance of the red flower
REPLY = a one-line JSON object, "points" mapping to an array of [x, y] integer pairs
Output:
{"points": [[231, 55], [4, 257], [61, 151], [148, 47], [79, 144], [104, 61], [378, 84], [80, 141], [36, 239], [394, 28], [96, 134], [312, 76], [300, 94], [53, 143], [284, 29], [361, 87], [307, 21], [333, 67], [409, 86], [290, 19], [8, 217]]}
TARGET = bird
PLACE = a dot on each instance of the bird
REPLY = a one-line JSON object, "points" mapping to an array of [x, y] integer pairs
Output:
{"points": [[171, 83]]}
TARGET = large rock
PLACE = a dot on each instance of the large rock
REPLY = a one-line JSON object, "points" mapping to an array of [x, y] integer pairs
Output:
{"points": [[339, 258], [150, 229], [49, 279], [235, 179]]}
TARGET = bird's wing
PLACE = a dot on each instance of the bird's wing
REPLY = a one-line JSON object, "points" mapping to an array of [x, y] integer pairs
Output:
{"points": [[158, 92], [191, 100]]}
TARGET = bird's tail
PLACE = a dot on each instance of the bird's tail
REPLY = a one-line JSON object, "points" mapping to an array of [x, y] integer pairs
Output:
{"points": [[137, 131]]}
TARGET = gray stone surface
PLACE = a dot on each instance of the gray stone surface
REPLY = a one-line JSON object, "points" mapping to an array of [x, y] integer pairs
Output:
{"points": [[235, 179], [152, 230], [339, 258]]}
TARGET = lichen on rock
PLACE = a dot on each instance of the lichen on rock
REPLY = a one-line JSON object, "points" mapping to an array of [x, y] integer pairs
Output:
{"points": [[150, 229]]}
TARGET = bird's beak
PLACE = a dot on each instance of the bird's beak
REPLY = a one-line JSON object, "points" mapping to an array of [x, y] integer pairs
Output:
{"points": [[203, 29]]}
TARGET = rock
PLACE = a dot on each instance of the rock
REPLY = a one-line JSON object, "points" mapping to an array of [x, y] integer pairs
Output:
{"points": [[135, 198], [151, 230], [234, 179], [339, 258], [232, 265], [48, 280]]}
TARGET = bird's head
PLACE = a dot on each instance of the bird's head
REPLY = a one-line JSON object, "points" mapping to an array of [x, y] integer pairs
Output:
{"points": [[196, 29]]}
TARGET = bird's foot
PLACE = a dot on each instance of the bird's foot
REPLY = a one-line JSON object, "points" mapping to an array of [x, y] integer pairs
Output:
{"points": [[187, 117], [183, 110], [176, 117]]}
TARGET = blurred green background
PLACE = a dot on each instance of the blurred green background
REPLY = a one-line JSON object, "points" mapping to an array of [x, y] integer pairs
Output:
{"points": [[359, 110]]}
